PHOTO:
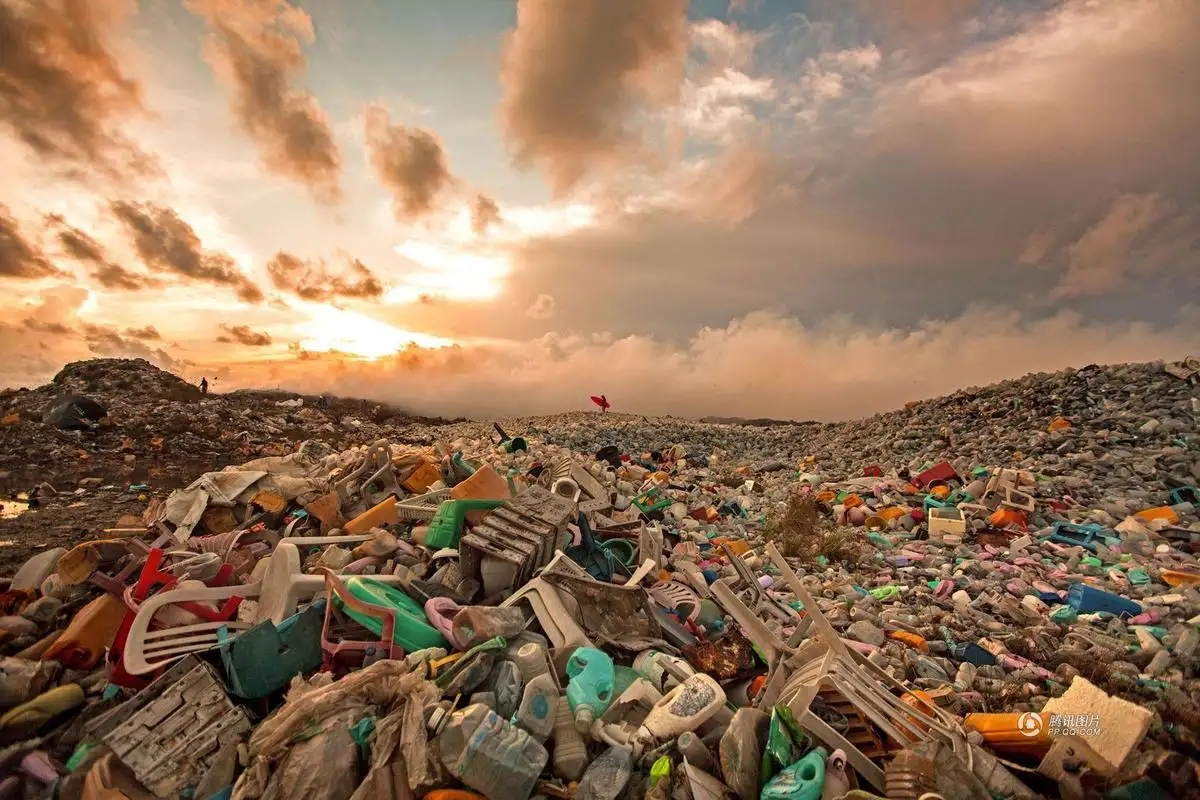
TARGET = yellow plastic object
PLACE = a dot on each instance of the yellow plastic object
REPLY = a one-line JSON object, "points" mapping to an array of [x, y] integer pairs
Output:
{"points": [[485, 484], [1176, 577], [940, 492], [27, 718], [892, 512], [739, 546], [90, 633], [424, 476], [380, 514], [1025, 734], [910, 639], [1059, 424], [1162, 512]]}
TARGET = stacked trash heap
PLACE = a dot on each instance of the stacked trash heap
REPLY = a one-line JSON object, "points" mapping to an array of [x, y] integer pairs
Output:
{"points": [[515, 618]]}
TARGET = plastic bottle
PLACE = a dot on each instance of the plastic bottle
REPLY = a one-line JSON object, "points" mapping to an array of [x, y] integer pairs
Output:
{"points": [[539, 707], [591, 688], [474, 624], [1088, 600], [533, 660], [685, 708], [606, 777], [741, 750], [803, 780], [694, 750], [490, 755], [507, 685], [661, 669], [837, 781], [570, 752]]}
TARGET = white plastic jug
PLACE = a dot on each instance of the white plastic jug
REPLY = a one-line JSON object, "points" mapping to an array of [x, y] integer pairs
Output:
{"points": [[685, 708]]}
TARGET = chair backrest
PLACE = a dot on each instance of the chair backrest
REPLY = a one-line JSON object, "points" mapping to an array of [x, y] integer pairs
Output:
{"points": [[146, 650]]}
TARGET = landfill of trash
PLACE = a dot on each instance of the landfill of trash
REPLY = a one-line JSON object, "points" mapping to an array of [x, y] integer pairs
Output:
{"points": [[994, 594]]}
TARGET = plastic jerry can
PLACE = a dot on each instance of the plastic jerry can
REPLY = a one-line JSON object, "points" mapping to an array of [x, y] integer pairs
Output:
{"points": [[685, 708], [490, 755], [539, 707], [1088, 600], [412, 631], [90, 632], [590, 690], [803, 780], [570, 752], [446, 528]]}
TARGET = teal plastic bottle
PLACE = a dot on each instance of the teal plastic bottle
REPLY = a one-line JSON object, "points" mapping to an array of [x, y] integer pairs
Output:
{"points": [[590, 690], [801, 781]]}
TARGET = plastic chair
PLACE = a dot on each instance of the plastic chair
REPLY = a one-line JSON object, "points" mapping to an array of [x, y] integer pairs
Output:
{"points": [[561, 628], [384, 647], [285, 585], [761, 601], [824, 665], [146, 650]]}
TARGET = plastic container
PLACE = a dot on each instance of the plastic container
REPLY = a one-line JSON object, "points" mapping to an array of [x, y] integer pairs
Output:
{"points": [[474, 624], [570, 752], [1013, 734], [533, 660], [485, 484], [590, 690], [837, 779], [803, 780], [694, 750], [606, 777], [383, 513], [661, 669], [539, 707], [92, 630], [446, 528], [1089, 600], [490, 755], [412, 631], [508, 686], [685, 708]]}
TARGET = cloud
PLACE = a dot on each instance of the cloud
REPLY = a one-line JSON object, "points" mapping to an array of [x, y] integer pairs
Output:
{"points": [[410, 163], [919, 15], [256, 50], [723, 107], [837, 371], [146, 334], [19, 256], [724, 45], [108, 343], [1097, 262], [81, 247], [313, 279], [165, 242], [242, 334], [543, 307], [62, 92], [572, 76], [484, 213]]}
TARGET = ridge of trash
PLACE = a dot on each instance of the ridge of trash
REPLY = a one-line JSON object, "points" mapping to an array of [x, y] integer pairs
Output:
{"points": [[994, 593]]}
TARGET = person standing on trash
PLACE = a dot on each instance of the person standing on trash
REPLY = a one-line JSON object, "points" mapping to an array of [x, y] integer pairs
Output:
{"points": [[203, 385], [601, 401]]}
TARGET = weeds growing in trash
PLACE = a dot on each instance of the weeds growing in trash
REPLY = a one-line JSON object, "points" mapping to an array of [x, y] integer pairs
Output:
{"points": [[799, 532]]}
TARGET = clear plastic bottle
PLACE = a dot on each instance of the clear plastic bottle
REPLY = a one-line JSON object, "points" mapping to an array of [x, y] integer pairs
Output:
{"points": [[474, 624], [606, 777], [539, 707], [490, 755]]}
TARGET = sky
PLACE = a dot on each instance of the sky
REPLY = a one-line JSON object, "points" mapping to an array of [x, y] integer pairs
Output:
{"points": [[801, 209]]}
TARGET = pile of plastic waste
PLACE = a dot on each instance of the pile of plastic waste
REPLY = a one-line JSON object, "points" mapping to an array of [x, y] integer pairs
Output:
{"points": [[514, 618]]}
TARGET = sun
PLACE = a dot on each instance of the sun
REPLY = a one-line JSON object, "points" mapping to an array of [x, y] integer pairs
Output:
{"points": [[356, 334]]}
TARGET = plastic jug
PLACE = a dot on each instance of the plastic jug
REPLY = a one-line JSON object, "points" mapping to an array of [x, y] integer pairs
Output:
{"points": [[685, 708], [490, 755], [803, 780], [590, 690], [606, 777], [539, 707], [473, 624], [446, 528], [837, 780], [91, 631], [1088, 600], [570, 752]]}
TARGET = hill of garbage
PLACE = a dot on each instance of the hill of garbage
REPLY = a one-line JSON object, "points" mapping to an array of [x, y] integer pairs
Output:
{"points": [[990, 594]]}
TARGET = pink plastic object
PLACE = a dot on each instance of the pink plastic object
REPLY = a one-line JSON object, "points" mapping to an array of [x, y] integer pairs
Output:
{"points": [[441, 611]]}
